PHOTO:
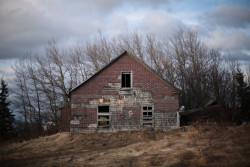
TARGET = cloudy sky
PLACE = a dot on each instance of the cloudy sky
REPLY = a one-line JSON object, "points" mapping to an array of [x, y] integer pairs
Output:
{"points": [[29, 24]]}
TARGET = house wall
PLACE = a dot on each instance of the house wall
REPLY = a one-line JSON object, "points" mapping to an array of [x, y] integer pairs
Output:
{"points": [[65, 119], [125, 105]]}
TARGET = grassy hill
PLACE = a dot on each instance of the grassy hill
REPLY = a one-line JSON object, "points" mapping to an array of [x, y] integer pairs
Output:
{"points": [[194, 146]]}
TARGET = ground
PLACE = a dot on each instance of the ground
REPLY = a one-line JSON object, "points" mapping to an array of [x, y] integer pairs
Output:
{"points": [[189, 146]]}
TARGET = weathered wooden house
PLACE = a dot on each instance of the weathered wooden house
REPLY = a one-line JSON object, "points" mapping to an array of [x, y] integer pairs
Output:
{"points": [[125, 94]]}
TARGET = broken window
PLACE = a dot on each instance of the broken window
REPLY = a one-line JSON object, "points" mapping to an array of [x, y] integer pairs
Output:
{"points": [[126, 80], [77, 117], [103, 116], [147, 115]]}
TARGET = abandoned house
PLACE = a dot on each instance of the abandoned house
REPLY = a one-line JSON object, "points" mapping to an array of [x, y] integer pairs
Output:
{"points": [[124, 95]]}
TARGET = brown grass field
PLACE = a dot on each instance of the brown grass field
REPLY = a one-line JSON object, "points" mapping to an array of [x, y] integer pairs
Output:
{"points": [[197, 146]]}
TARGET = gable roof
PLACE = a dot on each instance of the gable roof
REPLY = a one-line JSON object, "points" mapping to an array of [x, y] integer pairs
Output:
{"points": [[117, 58]]}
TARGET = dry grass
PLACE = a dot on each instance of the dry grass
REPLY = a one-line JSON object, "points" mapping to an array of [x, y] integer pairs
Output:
{"points": [[198, 146]]}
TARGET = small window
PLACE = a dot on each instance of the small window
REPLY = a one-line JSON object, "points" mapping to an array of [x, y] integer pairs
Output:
{"points": [[126, 80], [103, 116], [77, 117], [147, 115]]}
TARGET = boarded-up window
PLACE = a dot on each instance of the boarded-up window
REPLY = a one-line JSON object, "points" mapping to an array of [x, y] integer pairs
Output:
{"points": [[126, 80], [147, 115], [103, 116]]}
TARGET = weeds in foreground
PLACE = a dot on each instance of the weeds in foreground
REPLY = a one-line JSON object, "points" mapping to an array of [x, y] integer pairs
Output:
{"points": [[195, 137], [197, 145]]}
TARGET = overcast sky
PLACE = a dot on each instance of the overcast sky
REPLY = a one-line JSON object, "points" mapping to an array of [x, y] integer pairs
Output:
{"points": [[29, 24]]}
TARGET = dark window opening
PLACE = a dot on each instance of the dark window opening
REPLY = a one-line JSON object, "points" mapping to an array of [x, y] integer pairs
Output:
{"points": [[103, 109], [147, 113], [147, 108], [126, 80]]}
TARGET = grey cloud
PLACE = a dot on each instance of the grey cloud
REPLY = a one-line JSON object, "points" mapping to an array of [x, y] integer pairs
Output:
{"points": [[6, 71], [235, 40], [149, 3], [161, 23], [26, 25], [237, 55], [29, 24], [237, 17], [108, 6], [117, 25]]}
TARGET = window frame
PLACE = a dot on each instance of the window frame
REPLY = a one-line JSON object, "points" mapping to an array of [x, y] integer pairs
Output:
{"points": [[131, 79], [147, 119], [77, 117], [103, 114]]}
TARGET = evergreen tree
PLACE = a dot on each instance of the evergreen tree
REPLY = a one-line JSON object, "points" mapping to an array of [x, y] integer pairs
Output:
{"points": [[243, 93], [240, 86], [6, 117]]}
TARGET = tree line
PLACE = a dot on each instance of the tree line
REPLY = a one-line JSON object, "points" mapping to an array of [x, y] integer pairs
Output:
{"points": [[43, 82]]}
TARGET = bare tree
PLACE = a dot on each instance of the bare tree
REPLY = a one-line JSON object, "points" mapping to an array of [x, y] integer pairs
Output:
{"points": [[247, 73], [184, 60], [77, 66], [192, 60], [23, 96]]}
